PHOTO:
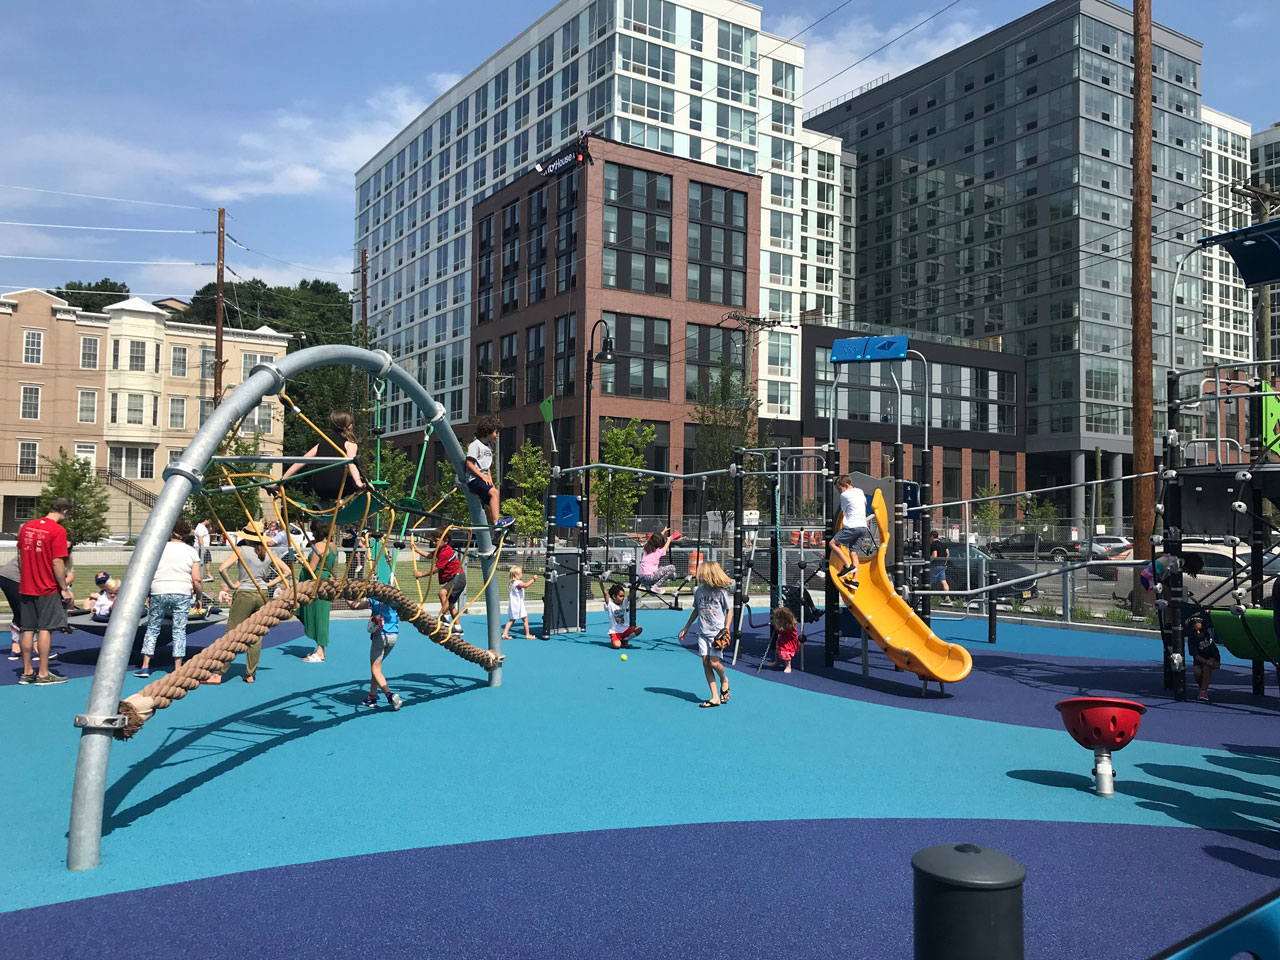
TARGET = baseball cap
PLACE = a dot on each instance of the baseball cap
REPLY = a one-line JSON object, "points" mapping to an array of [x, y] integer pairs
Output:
{"points": [[101, 577]]}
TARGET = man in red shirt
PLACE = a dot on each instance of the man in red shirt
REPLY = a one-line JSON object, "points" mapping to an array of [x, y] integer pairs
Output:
{"points": [[42, 589]]}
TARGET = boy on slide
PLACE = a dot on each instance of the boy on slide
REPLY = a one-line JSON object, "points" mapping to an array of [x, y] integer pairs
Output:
{"points": [[854, 504]]}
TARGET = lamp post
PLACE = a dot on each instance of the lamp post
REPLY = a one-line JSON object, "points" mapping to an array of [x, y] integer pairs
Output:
{"points": [[604, 356]]}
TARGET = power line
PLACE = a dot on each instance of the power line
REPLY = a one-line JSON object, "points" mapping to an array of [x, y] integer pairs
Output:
{"points": [[154, 263], [290, 263], [70, 226], [93, 196]]}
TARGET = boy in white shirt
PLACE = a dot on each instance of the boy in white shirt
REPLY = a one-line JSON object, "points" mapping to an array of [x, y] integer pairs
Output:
{"points": [[203, 543], [854, 504], [479, 462]]}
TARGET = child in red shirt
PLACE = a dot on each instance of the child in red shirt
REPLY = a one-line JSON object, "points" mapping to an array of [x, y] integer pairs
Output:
{"points": [[453, 580]]}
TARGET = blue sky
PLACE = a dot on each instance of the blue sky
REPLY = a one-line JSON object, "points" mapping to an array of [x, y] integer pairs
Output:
{"points": [[269, 106]]}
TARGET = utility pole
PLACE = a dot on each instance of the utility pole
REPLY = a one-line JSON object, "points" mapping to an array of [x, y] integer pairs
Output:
{"points": [[218, 306], [1140, 292], [750, 327], [364, 317], [1263, 197]]}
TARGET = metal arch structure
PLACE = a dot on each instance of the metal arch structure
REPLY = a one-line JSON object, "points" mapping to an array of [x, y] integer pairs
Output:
{"points": [[84, 845]]}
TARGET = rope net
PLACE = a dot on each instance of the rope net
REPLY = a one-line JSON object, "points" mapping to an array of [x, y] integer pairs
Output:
{"points": [[141, 706]]}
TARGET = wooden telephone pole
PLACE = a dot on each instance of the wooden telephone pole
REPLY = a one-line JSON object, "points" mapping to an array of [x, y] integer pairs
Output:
{"points": [[218, 307], [1143, 375]]}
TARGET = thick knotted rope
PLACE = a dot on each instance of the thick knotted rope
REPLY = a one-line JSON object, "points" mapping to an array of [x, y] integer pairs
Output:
{"points": [[140, 707]]}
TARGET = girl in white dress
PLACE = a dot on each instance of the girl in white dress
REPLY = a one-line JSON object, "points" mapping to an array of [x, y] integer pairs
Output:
{"points": [[515, 603]]}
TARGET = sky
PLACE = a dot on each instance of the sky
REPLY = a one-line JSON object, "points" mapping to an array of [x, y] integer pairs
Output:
{"points": [[268, 107]]}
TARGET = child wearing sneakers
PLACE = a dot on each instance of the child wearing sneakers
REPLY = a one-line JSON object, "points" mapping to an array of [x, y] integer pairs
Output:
{"points": [[620, 631], [479, 479], [384, 631], [853, 502]]}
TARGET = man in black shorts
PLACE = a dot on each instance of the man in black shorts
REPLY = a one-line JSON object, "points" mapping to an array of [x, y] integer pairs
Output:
{"points": [[479, 462], [42, 588]]}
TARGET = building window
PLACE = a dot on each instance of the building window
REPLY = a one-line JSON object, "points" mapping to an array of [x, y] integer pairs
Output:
{"points": [[535, 352], [88, 407], [24, 508], [137, 356], [87, 452], [178, 362], [29, 409], [28, 451], [779, 398], [736, 44], [250, 360], [133, 463], [207, 359], [643, 349], [779, 355], [566, 348], [134, 408], [258, 420], [177, 413], [88, 353], [206, 409], [32, 346]]}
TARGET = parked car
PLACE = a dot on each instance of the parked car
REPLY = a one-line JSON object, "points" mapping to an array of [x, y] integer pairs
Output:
{"points": [[1115, 546], [970, 564], [1033, 546], [1225, 569]]}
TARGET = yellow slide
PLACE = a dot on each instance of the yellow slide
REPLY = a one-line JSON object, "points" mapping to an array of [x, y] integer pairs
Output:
{"points": [[890, 621]]}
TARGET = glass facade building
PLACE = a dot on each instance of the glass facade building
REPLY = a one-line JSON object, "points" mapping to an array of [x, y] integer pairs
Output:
{"points": [[1228, 321], [697, 80], [993, 202]]}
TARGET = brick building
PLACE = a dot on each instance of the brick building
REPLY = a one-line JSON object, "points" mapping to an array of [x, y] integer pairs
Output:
{"points": [[650, 249]]}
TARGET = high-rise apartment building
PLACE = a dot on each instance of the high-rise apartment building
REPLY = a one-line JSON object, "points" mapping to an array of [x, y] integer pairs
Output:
{"points": [[1228, 319], [697, 80], [1264, 162], [993, 201]]}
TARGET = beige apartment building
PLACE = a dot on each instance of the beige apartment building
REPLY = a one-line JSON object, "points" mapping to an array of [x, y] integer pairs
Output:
{"points": [[125, 389]]}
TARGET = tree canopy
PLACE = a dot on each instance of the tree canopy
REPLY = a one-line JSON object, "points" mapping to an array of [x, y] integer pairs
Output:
{"points": [[530, 472], [93, 296], [75, 479], [617, 493]]}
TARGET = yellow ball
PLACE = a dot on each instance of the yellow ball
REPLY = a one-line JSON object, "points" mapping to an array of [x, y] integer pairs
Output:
{"points": [[624, 656]]}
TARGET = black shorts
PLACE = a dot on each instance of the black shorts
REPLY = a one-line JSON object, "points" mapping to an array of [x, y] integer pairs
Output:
{"points": [[456, 587], [42, 613], [479, 487]]}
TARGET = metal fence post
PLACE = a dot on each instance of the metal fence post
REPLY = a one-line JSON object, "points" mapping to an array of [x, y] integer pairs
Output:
{"points": [[992, 579]]}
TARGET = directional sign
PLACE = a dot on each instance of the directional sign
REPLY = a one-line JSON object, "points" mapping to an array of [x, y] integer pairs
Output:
{"points": [[868, 349]]}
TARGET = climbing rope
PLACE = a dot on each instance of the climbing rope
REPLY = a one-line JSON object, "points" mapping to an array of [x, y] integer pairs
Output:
{"points": [[141, 706]]}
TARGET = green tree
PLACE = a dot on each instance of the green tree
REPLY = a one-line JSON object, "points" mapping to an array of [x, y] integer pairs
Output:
{"points": [[315, 312], [616, 492], [76, 480], [226, 506], [1041, 510], [725, 419], [530, 473], [987, 514], [93, 296]]}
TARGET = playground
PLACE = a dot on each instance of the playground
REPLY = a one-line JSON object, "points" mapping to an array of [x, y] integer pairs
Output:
{"points": [[588, 806], [555, 797]]}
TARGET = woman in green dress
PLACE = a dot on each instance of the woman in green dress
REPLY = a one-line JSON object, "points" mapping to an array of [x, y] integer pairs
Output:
{"points": [[315, 615]]}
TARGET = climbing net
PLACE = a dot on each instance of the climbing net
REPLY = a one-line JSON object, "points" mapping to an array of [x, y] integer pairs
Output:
{"points": [[367, 508]]}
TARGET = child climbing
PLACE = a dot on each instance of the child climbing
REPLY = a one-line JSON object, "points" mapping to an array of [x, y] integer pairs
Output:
{"points": [[479, 462], [515, 602], [711, 614], [787, 640], [648, 572], [453, 580], [620, 630], [1204, 654], [854, 504], [338, 480]]}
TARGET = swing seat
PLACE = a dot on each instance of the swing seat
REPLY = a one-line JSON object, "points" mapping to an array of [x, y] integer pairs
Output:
{"points": [[409, 503], [357, 509], [379, 484]]}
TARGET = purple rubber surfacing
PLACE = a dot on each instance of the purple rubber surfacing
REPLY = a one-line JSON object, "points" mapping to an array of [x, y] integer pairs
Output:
{"points": [[789, 888]]}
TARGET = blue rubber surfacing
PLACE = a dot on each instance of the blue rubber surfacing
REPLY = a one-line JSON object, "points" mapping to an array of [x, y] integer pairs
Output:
{"points": [[291, 773]]}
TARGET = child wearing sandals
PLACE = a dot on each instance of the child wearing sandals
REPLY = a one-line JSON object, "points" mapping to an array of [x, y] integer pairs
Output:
{"points": [[711, 613], [620, 630], [786, 639]]}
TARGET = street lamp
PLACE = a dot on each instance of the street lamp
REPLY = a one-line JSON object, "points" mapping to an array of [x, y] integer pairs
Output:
{"points": [[604, 356]]}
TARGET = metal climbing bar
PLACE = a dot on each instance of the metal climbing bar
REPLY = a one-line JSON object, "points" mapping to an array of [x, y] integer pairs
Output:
{"points": [[184, 477]]}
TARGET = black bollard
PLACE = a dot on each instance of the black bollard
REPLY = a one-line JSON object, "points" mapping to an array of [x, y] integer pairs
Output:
{"points": [[968, 904], [992, 580]]}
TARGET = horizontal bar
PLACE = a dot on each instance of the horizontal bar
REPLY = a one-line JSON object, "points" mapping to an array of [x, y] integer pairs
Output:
{"points": [[1024, 493], [647, 473], [1248, 364], [1055, 572], [254, 458]]}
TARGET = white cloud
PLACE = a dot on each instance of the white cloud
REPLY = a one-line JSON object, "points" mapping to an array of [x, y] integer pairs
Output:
{"points": [[833, 46], [161, 280]]}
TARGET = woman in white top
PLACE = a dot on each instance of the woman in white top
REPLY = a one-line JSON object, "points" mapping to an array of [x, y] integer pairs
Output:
{"points": [[258, 577], [177, 579]]}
